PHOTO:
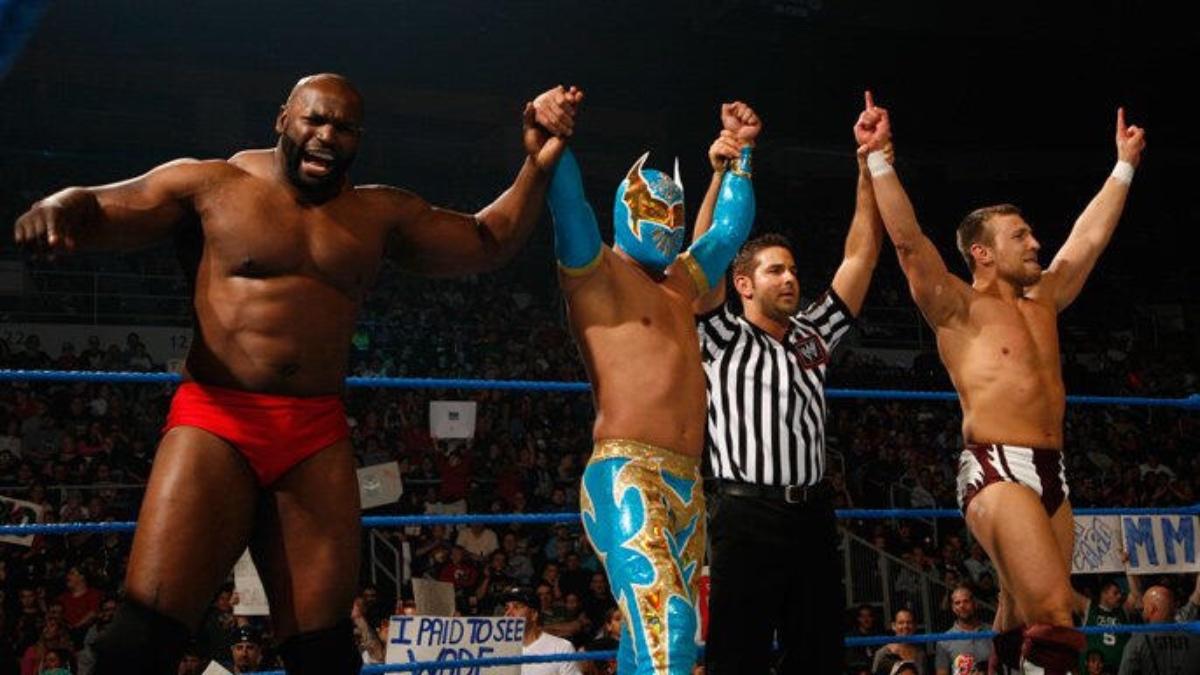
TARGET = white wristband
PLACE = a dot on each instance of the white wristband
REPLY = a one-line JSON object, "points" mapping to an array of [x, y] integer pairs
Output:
{"points": [[877, 164], [1123, 172]]}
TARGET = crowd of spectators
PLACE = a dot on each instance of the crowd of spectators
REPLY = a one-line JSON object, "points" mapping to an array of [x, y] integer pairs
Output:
{"points": [[69, 449]]}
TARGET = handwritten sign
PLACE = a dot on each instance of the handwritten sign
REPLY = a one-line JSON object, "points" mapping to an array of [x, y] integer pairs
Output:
{"points": [[19, 512], [215, 668], [1097, 545], [445, 638], [379, 484], [452, 419], [432, 597], [252, 598], [1158, 544]]}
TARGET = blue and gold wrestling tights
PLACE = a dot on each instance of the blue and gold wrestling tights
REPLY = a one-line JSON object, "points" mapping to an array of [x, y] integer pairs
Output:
{"points": [[643, 510]]}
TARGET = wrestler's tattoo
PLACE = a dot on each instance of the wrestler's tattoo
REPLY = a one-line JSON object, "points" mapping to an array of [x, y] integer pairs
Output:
{"points": [[289, 369]]}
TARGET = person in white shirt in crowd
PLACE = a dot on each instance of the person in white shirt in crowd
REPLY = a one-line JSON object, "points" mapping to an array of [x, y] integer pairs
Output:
{"points": [[520, 601], [478, 540], [1153, 465]]}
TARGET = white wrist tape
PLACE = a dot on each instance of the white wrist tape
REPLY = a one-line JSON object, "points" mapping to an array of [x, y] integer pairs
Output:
{"points": [[1123, 172], [878, 165]]}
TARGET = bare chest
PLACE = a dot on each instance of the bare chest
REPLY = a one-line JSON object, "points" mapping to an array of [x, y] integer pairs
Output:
{"points": [[654, 311], [640, 325], [1022, 337], [256, 232]]}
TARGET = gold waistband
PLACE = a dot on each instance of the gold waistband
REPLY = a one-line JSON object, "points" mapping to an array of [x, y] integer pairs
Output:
{"points": [[672, 461]]}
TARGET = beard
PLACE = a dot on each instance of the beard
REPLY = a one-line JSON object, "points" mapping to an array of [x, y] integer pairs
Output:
{"points": [[294, 153], [1022, 276], [781, 310]]}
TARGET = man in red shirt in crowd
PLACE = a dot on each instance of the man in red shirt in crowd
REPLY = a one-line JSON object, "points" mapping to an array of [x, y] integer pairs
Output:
{"points": [[81, 602], [454, 468]]}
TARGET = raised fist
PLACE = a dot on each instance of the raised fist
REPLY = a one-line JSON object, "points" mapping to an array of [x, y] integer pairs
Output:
{"points": [[52, 225], [740, 119], [548, 120], [873, 130]]}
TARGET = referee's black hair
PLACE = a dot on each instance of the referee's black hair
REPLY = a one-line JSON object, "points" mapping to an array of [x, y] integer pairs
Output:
{"points": [[743, 264]]}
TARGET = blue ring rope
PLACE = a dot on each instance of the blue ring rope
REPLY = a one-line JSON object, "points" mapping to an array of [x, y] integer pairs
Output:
{"points": [[572, 517], [926, 638], [1188, 402], [1191, 402], [873, 641]]}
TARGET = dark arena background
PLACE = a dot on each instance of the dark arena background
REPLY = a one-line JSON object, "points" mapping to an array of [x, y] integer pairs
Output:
{"points": [[1004, 102]]}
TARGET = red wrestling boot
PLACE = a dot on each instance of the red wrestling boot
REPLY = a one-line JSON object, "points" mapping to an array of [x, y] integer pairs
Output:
{"points": [[1051, 650], [1006, 652]]}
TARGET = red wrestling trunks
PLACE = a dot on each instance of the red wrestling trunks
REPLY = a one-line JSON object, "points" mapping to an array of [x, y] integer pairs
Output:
{"points": [[274, 433], [1037, 469]]}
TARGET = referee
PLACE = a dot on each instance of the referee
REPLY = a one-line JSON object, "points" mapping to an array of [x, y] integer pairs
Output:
{"points": [[774, 565]]}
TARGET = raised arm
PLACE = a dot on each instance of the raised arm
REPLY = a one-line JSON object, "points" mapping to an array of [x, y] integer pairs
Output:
{"points": [[940, 295], [368, 638], [1080, 603], [577, 244], [121, 216], [727, 212], [865, 238], [1133, 599], [720, 153], [1095, 226], [1190, 609], [441, 242]]}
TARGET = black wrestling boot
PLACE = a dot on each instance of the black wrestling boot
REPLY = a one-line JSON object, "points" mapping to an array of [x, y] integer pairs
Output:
{"points": [[328, 651], [140, 641]]}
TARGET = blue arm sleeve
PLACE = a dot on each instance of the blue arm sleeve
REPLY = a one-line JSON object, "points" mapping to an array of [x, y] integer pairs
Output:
{"points": [[576, 234], [732, 218]]}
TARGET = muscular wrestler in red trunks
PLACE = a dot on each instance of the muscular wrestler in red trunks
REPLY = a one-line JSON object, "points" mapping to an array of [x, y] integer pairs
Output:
{"points": [[998, 337], [281, 249]]}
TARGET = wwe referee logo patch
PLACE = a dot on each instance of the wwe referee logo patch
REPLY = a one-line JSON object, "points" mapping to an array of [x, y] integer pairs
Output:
{"points": [[811, 352]]}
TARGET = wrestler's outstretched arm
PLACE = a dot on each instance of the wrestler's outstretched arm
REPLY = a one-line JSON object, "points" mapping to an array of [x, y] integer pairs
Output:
{"points": [[577, 244], [727, 212], [1092, 231], [865, 238], [720, 153], [440, 242], [121, 216], [940, 295]]}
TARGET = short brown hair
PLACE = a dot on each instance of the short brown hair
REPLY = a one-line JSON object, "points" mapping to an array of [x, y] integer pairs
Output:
{"points": [[973, 229], [743, 264]]}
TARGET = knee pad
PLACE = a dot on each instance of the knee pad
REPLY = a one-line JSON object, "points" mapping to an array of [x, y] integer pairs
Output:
{"points": [[1053, 650], [140, 641], [327, 651], [1006, 651]]}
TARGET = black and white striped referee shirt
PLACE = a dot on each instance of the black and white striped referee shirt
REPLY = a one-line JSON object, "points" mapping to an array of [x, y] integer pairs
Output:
{"points": [[766, 399]]}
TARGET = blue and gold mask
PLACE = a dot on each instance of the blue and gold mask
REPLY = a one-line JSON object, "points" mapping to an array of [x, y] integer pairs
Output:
{"points": [[648, 216]]}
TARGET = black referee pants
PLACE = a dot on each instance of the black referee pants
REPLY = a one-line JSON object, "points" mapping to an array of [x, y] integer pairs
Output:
{"points": [[774, 569]]}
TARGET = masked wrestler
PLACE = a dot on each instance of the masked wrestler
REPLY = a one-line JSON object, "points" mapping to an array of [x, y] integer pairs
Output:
{"points": [[631, 311]]}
